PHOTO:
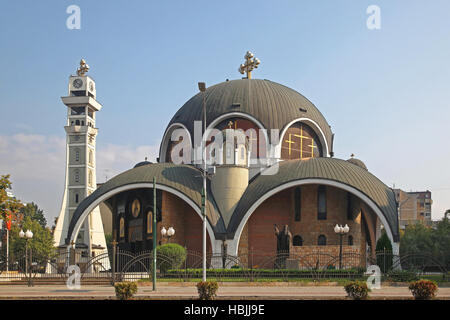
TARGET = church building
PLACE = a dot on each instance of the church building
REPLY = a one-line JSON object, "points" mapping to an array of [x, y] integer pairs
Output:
{"points": [[283, 172]]}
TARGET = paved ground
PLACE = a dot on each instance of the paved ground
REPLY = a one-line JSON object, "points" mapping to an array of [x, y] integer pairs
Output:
{"points": [[183, 291]]}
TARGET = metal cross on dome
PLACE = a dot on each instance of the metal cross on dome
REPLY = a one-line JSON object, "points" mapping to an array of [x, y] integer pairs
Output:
{"points": [[250, 64]]}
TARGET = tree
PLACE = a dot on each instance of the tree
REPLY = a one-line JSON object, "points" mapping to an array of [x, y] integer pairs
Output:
{"points": [[384, 252], [42, 242], [9, 206], [440, 237], [32, 210], [416, 240]]}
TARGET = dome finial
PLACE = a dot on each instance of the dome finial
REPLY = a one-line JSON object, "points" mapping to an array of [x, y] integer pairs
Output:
{"points": [[83, 69], [352, 155], [250, 64]]}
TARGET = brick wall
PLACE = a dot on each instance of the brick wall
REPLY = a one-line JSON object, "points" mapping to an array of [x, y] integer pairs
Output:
{"points": [[186, 222], [258, 235]]}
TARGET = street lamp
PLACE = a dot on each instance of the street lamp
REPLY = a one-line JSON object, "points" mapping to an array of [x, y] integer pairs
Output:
{"points": [[27, 236], [167, 232], [202, 89], [341, 231]]}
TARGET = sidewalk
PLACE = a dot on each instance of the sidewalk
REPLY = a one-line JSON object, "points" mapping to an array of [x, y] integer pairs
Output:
{"points": [[190, 292]]}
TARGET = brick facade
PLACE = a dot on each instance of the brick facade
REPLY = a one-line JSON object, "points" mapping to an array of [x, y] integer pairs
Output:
{"points": [[186, 222], [258, 234]]}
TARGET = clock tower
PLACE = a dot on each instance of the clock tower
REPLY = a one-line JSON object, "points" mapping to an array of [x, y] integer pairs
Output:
{"points": [[80, 182]]}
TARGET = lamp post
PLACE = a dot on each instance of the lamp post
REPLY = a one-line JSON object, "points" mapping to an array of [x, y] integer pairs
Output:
{"points": [[168, 233], [341, 231], [202, 88], [27, 235]]}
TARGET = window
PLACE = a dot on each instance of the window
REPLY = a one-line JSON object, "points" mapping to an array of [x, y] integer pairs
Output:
{"points": [[77, 111], [297, 204], [76, 198], [77, 176], [297, 241], [322, 240], [321, 203], [349, 206], [77, 155], [91, 157], [77, 122], [91, 113], [350, 240]]}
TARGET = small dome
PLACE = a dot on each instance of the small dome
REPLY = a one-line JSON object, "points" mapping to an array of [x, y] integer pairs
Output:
{"points": [[358, 163], [142, 163]]}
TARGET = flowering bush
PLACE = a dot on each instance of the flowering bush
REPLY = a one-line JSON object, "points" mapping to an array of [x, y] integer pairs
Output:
{"points": [[207, 290], [423, 289], [125, 290], [357, 290]]}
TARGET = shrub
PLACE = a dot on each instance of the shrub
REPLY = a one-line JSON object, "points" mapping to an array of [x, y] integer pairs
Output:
{"points": [[170, 256], [207, 290], [125, 290], [423, 289], [357, 290]]}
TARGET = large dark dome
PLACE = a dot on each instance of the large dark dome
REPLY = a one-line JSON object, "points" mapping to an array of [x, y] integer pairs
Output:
{"points": [[270, 103]]}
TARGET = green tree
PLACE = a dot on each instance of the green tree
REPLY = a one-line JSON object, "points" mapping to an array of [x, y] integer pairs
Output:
{"points": [[42, 242], [416, 240], [440, 238], [32, 210], [9, 207], [384, 252]]}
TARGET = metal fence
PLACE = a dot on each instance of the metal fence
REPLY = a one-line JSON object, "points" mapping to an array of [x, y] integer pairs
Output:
{"points": [[106, 268]]}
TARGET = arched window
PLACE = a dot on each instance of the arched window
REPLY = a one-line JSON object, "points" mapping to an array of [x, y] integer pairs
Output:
{"points": [[76, 198], [82, 122], [350, 240], [322, 240], [322, 203], [297, 241]]}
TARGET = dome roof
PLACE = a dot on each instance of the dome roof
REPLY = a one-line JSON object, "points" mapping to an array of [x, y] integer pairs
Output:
{"points": [[358, 163], [272, 104], [142, 163]]}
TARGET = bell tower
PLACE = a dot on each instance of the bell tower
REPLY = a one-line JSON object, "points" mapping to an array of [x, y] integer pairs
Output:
{"points": [[80, 181]]}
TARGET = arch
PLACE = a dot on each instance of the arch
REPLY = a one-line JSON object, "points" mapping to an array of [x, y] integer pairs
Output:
{"points": [[243, 115], [316, 129], [79, 222], [234, 245], [166, 139]]}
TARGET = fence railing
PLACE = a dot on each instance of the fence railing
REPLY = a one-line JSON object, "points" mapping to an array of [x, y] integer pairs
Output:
{"points": [[249, 266]]}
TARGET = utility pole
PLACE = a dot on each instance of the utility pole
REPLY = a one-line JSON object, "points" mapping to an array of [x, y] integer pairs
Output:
{"points": [[202, 88]]}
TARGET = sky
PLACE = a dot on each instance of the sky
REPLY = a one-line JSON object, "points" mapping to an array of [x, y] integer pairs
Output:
{"points": [[385, 92]]}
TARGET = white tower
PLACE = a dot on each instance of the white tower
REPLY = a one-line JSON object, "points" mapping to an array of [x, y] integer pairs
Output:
{"points": [[80, 164]]}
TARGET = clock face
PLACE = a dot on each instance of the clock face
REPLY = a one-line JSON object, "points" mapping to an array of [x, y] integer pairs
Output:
{"points": [[135, 208], [77, 83]]}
